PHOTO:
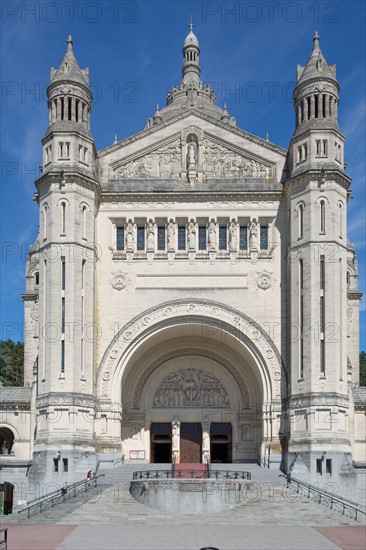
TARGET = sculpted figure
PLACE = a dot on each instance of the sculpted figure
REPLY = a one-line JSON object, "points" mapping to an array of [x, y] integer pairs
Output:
{"points": [[233, 236], [192, 154], [130, 243], [150, 240], [191, 236], [170, 236], [253, 236], [212, 240]]}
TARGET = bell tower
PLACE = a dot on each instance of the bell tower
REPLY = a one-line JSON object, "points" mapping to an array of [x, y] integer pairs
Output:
{"points": [[66, 194], [317, 195]]}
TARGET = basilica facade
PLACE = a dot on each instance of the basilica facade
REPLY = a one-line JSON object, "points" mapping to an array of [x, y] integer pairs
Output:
{"points": [[191, 295]]}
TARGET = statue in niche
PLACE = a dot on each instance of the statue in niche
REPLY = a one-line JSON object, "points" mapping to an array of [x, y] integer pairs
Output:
{"points": [[212, 238], [170, 234], [130, 242], [233, 236], [192, 154], [150, 237], [191, 160], [191, 236], [253, 236]]}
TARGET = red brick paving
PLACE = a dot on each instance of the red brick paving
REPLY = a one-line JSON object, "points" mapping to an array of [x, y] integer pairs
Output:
{"points": [[347, 537], [36, 537]]}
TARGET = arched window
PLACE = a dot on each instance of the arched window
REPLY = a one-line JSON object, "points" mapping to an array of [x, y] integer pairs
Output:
{"points": [[45, 211], [63, 218], [83, 214], [6, 441], [36, 278], [322, 217], [340, 219], [301, 220]]}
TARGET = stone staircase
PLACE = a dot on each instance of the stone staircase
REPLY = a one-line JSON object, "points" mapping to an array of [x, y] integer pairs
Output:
{"points": [[268, 502]]}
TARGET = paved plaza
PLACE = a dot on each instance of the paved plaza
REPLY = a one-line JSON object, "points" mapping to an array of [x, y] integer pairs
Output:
{"points": [[186, 536]]}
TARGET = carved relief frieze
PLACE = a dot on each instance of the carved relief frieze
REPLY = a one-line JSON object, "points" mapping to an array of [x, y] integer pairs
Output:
{"points": [[164, 162], [65, 400], [318, 400], [221, 162], [191, 388]]}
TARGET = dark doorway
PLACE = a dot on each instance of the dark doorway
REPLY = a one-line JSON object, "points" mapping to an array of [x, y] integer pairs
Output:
{"points": [[220, 436], [191, 442], [6, 498], [161, 443]]}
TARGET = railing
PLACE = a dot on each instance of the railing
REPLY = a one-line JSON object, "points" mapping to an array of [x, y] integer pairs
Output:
{"points": [[264, 460], [338, 503], [55, 497], [188, 474], [4, 539], [230, 475]]}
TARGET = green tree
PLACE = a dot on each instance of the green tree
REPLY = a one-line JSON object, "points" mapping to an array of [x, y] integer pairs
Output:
{"points": [[11, 363], [363, 368]]}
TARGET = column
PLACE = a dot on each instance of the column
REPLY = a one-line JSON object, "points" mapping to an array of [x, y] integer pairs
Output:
{"points": [[66, 107], [326, 114], [206, 442], [53, 110], [73, 104], [58, 108], [80, 111], [176, 441], [312, 106], [299, 115], [306, 109]]}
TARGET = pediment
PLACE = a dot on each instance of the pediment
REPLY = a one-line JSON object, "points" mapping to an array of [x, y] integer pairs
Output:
{"points": [[195, 152]]}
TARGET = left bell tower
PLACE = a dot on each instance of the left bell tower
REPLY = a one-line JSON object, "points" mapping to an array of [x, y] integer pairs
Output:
{"points": [[64, 444]]}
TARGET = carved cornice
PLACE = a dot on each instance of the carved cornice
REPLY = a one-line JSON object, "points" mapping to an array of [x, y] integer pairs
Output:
{"points": [[307, 400], [66, 399], [235, 130], [354, 295]]}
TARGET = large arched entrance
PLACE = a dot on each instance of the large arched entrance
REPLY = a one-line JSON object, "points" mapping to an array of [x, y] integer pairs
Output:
{"points": [[193, 386]]}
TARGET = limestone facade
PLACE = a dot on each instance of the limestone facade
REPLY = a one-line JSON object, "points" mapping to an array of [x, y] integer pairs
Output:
{"points": [[192, 295]]}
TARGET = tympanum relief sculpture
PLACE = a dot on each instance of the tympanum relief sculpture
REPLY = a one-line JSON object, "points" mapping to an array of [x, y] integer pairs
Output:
{"points": [[191, 388]]}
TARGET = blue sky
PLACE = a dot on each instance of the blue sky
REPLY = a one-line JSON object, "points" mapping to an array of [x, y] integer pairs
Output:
{"points": [[249, 52]]}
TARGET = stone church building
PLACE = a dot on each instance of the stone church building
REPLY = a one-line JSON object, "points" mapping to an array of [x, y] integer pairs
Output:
{"points": [[191, 295]]}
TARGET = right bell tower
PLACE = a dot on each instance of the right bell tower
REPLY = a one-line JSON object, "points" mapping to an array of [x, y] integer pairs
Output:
{"points": [[317, 194]]}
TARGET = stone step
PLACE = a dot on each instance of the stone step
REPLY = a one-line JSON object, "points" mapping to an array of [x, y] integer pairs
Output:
{"points": [[268, 501]]}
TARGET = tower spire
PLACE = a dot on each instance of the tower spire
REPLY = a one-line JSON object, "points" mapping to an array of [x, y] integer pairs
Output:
{"points": [[191, 51], [69, 43]]}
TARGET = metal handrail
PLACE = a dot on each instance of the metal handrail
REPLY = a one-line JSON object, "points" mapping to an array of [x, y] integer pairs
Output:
{"points": [[85, 483], [228, 474], [346, 504], [4, 541], [210, 474]]}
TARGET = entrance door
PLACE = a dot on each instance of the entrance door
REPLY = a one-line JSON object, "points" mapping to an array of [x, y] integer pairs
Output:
{"points": [[220, 437], [161, 443], [190, 442]]}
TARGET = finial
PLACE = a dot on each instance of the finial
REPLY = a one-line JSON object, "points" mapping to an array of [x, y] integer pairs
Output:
{"points": [[191, 25], [157, 109], [316, 39], [69, 43], [115, 138], [225, 108], [267, 138]]}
